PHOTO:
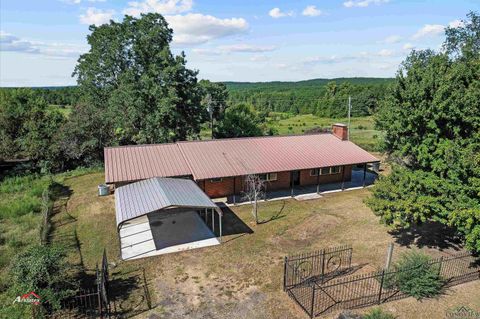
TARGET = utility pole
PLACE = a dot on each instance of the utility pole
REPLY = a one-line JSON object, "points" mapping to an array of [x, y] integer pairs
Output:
{"points": [[208, 101], [349, 111]]}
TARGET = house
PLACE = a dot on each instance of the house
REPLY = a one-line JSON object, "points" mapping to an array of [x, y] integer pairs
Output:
{"points": [[163, 197], [219, 167]]}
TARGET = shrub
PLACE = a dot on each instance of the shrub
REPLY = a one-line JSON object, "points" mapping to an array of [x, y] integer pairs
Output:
{"points": [[378, 313], [416, 275], [44, 270]]}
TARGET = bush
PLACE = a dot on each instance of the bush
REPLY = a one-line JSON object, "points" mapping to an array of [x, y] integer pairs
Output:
{"points": [[44, 270], [416, 275], [378, 313]]}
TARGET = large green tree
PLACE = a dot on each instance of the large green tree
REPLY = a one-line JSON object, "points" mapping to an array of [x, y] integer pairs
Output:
{"points": [[137, 85], [239, 120], [432, 124], [29, 128]]}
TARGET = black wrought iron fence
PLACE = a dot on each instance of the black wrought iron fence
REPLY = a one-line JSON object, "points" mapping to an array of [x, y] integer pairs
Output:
{"points": [[87, 303], [315, 265], [317, 297]]}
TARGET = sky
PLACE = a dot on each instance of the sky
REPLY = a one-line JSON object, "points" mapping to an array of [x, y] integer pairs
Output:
{"points": [[233, 40]]}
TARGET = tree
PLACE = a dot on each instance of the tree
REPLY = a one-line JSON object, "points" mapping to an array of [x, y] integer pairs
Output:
{"points": [[239, 121], [432, 122], [218, 96], [133, 80], [29, 129], [254, 190], [44, 270]]}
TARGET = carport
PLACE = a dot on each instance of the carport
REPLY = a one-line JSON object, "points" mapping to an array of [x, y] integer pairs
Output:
{"points": [[165, 215]]}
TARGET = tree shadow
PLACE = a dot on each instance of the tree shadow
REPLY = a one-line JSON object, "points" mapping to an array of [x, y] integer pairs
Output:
{"points": [[276, 216], [129, 293], [430, 234]]}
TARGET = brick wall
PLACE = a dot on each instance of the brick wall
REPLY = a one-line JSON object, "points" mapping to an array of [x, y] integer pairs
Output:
{"points": [[306, 179], [282, 182]]}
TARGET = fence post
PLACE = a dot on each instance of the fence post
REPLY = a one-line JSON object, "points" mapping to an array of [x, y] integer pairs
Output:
{"points": [[440, 266], [323, 264], [312, 315], [381, 287], [285, 260]]}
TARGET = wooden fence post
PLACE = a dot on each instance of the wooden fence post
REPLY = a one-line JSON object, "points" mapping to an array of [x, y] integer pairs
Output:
{"points": [[285, 260], [440, 266], [381, 287], [323, 264]]}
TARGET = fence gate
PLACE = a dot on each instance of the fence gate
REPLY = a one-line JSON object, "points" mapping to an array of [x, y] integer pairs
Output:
{"points": [[314, 266]]}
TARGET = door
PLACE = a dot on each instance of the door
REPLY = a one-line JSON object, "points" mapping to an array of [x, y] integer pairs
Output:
{"points": [[296, 177]]}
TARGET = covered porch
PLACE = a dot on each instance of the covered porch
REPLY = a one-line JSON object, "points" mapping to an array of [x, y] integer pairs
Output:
{"points": [[362, 175], [165, 215]]}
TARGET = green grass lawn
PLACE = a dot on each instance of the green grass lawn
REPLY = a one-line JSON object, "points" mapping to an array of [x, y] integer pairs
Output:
{"points": [[242, 278]]}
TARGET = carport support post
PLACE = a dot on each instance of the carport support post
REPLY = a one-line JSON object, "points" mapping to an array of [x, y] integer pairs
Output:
{"points": [[343, 177], [364, 173], [213, 221], [318, 180], [220, 215]]}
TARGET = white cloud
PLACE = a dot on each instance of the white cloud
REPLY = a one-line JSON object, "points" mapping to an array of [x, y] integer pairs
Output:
{"points": [[195, 28], [12, 43], [79, 1], [234, 48], [392, 39], [311, 11], [96, 16], [429, 30], [277, 13], [385, 53], [363, 3], [135, 8], [247, 48], [408, 46], [456, 24], [259, 58]]}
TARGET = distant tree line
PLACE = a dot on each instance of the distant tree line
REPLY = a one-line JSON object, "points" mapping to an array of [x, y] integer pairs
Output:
{"points": [[320, 97]]}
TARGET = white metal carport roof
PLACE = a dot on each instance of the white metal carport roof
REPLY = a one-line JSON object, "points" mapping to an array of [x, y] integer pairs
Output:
{"points": [[162, 215], [140, 198]]}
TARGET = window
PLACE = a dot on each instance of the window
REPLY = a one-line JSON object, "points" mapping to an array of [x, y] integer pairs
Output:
{"points": [[328, 170], [269, 177], [325, 171], [216, 180], [314, 172], [335, 170]]}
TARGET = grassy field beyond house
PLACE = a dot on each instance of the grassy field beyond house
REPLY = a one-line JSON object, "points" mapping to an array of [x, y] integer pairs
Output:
{"points": [[362, 131], [242, 278]]}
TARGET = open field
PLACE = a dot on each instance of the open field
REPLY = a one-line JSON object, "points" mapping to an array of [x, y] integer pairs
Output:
{"points": [[242, 278], [362, 131]]}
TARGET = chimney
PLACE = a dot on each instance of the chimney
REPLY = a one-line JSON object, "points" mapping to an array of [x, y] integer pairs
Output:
{"points": [[340, 130]]}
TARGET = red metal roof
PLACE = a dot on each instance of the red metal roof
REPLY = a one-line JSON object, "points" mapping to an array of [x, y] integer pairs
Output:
{"points": [[132, 163], [231, 157]]}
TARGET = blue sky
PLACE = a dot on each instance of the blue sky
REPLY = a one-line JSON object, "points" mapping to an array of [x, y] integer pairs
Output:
{"points": [[232, 40]]}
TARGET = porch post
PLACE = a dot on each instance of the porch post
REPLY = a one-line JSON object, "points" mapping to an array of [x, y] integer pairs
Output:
{"points": [[343, 177], [364, 173], [318, 181], [234, 189], [205, 212], [291, 183]]}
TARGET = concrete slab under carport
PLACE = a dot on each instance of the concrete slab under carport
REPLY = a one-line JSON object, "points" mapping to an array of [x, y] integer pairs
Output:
{"points": [[160, 233]]}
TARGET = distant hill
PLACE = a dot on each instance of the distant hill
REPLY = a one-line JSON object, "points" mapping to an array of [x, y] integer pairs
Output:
{"points": [[273, 85]]}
